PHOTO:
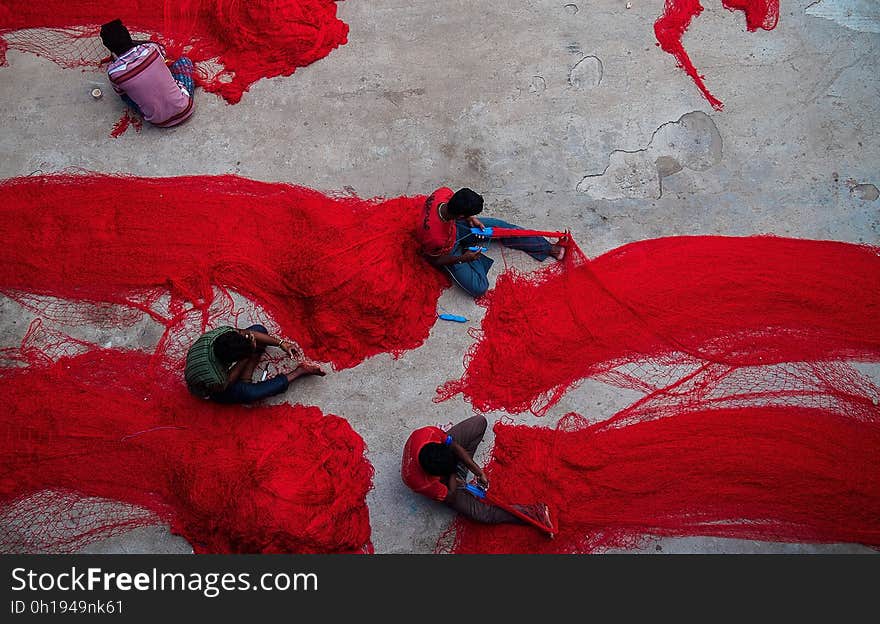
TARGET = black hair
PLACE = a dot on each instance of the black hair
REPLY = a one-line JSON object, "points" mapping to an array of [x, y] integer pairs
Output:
{"points": [[437, 459], [116, 37], [465, 203], [231, 347]]}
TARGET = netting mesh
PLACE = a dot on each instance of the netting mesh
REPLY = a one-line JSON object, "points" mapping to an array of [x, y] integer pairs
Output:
{"points": [[233, 43], [755, 423], [84, 424], [57, 521], [699, 459], [677, 15], [330, 272], [651, 312]]}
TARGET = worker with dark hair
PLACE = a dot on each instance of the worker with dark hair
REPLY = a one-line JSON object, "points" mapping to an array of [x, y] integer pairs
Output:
{"points": [[436, 464], [220, 365], [142, 77], [445, 235]]}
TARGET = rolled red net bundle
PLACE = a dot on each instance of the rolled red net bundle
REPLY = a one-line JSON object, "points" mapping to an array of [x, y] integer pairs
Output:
{"points": [[233, 44], [653, 311], [340, 275], [803, 467], [677, 15], [229, 479]]}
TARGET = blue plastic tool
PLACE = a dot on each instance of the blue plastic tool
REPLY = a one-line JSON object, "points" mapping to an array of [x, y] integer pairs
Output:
{"points": [[475, 490], [487, 232], [478, 249], [453, 317]]}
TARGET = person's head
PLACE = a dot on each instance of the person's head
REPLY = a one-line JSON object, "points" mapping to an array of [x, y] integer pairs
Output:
{"points": [[437, 459], [116, 37], [232, 347], [464, 203]]}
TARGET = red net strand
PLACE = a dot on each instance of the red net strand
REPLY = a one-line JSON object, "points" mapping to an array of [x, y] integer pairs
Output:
{"points": [[677, 15]]}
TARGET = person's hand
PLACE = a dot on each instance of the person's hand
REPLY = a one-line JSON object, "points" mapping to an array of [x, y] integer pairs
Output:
{"points": [[468, 256], [290, 349], [483, 481], [475, 223]]}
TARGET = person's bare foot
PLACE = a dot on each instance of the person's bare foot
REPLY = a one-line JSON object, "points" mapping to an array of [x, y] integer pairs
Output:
{"points": [[557, 251], [305, 369], [311, 369]]}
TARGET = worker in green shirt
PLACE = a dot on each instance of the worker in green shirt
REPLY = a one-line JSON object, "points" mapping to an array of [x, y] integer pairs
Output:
{"points": [[220, 365]]}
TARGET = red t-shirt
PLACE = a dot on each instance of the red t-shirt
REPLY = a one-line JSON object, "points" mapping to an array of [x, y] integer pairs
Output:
{"points": [[436, 237], [411, 470]]}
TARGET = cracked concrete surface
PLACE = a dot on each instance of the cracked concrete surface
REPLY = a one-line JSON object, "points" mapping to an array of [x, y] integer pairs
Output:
{"points": [[860, 15], [519, 101], [692, 142]]}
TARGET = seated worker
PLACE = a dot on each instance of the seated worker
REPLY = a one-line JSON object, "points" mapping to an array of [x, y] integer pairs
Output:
{"points": [[163, 95], [436, 464], [445, 235], [220, 365]]}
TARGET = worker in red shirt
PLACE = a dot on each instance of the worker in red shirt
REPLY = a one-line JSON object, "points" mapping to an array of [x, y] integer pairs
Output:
{"points": [[444, 236], [436, 464]]}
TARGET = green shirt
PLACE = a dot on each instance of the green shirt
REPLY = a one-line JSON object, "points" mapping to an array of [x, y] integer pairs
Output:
{"points": [[204, 372]]}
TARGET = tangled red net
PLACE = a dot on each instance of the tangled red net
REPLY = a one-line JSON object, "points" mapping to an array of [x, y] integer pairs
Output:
{"points": [[650, 312], [677, 15], [337, 274], [94, 424], [788, 454], [749, 427], [233, 44]]}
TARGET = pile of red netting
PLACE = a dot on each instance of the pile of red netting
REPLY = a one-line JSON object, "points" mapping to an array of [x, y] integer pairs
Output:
{"points": [[777, 455], [95, 424], [233, 44], [339, 275], [646, 313], [755, 422], [677, 15]]}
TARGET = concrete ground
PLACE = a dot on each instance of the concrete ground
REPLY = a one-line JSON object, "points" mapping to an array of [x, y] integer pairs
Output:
{"points": [[564, 115]]}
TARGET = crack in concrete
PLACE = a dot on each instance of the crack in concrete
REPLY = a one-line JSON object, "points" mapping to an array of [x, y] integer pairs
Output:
{"points": [[858, 15], [865, 192], [587, 73], [692, 142], [537, 85]]}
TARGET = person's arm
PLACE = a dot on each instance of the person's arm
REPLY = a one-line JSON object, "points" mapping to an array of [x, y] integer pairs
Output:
{"points": [[234, 374], [452, 483], [468, 461], [289, 347], [447, 259], [475, 223]]}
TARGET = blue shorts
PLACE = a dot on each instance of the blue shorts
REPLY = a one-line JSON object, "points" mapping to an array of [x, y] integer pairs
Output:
{"points": [[243, 392]]}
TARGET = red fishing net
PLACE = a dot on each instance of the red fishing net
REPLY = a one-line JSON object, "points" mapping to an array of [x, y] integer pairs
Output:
{"points": [[233, 44], [701, 459], [677, 15], [340, 275], [650, 312], [228, 479], [747, 429]]}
